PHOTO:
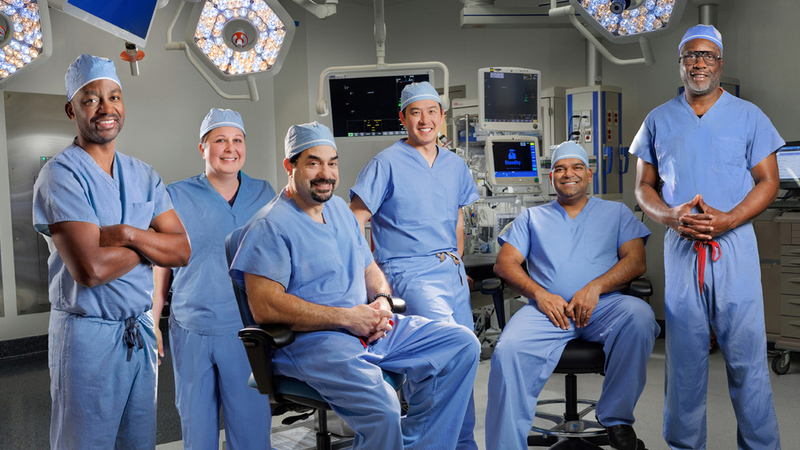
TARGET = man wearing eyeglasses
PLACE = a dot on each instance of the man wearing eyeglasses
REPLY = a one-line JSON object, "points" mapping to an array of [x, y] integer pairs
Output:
{"points": [[713, 156]]}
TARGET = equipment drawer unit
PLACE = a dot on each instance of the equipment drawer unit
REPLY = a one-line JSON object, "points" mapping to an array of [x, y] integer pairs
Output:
{"points": [[790, 232], [790, 280], [790, 327], [790, 305], [792, 259], [789, 339]]}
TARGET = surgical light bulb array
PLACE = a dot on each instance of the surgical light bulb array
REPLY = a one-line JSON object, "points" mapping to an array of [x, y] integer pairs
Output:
{"points": [[211, 40], [651, 15], [26, 43]]}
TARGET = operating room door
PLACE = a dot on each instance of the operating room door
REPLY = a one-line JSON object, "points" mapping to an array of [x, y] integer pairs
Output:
{"points": [[36, 129]]}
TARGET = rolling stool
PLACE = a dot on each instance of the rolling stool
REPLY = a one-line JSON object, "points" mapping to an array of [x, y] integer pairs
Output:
{"points": [[570, 431]]}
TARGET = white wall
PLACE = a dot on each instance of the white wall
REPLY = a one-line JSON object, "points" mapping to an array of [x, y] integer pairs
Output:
{"points": [[166, 103]]}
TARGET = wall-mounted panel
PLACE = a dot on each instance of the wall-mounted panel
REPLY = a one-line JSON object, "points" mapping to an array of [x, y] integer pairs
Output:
{"points": [[36, 129]]}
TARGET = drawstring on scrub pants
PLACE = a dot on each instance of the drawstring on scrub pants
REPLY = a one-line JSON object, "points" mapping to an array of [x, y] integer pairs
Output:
{"points": [[700, 248], [456, 261], [132, 335]]}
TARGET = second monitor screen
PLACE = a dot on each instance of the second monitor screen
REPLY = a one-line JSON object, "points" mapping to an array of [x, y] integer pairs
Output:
{"points": [[514, 159]]}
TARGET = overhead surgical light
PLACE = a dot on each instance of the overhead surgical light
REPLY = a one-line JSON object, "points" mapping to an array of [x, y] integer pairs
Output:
{"points": [[627, 20], [235, 40], [25, 30]]}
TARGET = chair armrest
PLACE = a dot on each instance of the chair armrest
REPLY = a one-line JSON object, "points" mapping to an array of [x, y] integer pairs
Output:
{"points": [[494, 287], [259, 343], [640, 287], [491, 286]]}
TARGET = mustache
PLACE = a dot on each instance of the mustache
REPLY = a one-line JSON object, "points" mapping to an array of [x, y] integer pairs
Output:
{"points": [[319, 181]]}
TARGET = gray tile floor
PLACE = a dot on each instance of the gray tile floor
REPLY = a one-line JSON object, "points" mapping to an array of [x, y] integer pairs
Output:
{"points": [[649, 409], [25, 403]]}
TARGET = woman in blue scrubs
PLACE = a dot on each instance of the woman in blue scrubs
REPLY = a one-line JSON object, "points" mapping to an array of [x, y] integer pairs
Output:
{"points": [[211, 367]]}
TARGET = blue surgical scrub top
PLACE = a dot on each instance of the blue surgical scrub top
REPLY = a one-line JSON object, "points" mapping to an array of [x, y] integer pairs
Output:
{"points": [[321, 263], [565, 254], [71, 187], [699, 155], [202, 298], [414, 206]]}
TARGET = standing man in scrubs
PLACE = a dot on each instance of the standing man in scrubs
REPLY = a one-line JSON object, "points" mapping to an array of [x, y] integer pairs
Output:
{"points": [[305, 263], [713, 156], [414, 191], [107, 218], [211, 366], [580, 253]]}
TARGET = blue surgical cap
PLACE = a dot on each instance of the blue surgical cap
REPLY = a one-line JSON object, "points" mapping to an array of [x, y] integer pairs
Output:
{"points": [[307, 135], [418, 91], [707, 32], [88, 68], [221, 118], [569, 149]]}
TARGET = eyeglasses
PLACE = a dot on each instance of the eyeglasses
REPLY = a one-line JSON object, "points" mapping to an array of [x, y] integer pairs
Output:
{"points": [[692, 57]]}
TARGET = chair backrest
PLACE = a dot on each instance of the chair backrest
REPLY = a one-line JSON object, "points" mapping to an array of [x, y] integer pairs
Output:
{"points": [[231, 246]]}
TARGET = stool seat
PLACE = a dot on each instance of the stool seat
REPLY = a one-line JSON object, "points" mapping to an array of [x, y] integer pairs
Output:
{"points": [[582, 357]]}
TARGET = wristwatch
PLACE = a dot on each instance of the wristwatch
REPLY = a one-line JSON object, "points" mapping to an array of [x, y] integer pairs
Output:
{"points": [[385, 295]]}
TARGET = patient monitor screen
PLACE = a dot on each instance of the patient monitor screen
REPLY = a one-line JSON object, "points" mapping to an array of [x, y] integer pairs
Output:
{"points": [[368, 106], [514, 162], [789, 165], [510, 99]]}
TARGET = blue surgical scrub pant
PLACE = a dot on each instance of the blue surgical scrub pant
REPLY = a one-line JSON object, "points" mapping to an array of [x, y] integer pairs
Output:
{"points": [[100, 399], [439, 359], [732, 305], [211, 371], [437, 290], [528, 352]]}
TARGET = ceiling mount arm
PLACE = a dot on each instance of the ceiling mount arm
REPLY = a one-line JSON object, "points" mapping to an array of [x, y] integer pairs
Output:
{"points": [[380, 40], [322, 11], [569, 12]]}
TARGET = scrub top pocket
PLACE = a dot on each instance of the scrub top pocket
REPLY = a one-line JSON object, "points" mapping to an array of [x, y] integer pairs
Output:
{"points": [[139, 215], [728, 155]]}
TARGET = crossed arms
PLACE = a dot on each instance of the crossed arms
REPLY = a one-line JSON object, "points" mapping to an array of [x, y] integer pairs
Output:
{"points": [[97, 255]]}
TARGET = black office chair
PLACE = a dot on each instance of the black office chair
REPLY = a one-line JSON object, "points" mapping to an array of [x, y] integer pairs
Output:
{"points": [[286, 394], [570, 431]]}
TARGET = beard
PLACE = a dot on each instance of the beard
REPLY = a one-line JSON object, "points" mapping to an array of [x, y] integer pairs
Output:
{"points": [[92, 134], [322, 197], [699, 89]]}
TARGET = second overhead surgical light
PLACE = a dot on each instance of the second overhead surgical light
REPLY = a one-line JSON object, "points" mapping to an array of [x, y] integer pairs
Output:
{"points": [[619, 19]]}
